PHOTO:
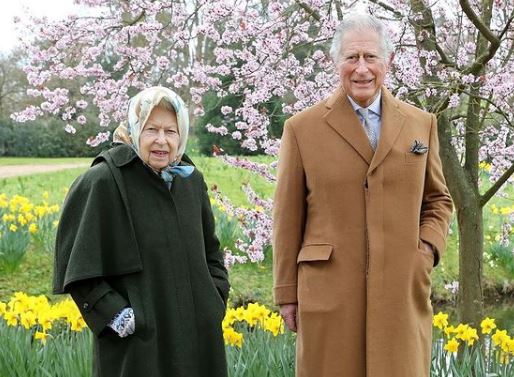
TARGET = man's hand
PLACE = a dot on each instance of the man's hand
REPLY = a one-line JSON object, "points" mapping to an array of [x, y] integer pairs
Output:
{"points": [[288, 313], [427, 247]]}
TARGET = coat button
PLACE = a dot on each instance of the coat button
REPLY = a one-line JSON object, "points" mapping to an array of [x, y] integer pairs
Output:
{"points": [[85, 306]]}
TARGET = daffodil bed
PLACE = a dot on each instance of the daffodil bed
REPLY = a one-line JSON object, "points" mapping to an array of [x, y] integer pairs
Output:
{"points": [[40, 338]]}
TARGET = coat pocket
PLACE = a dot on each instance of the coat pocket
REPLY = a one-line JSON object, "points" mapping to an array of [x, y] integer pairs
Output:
{"points": [[312, 253], [317, 279]]}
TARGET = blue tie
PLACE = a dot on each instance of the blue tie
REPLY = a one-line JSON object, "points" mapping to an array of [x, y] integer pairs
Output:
{"points": [[372, 136]]}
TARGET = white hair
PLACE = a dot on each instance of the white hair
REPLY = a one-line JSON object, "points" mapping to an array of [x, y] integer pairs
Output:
{"points": [[360, 21]]}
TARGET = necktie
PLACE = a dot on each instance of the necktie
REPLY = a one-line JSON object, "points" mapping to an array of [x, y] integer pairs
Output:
{"points": [[372, 136]]}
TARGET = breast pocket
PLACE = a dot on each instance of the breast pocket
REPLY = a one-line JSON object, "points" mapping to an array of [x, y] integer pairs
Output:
{"points": [[415, 158], [317, 279]]}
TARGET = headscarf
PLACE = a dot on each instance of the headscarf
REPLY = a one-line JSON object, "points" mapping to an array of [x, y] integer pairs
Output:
{"points": [[140, 107]]}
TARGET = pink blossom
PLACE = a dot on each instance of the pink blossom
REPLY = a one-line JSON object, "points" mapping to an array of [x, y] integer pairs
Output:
{"points": [[81, 119], [225, 110], [70, 129]]}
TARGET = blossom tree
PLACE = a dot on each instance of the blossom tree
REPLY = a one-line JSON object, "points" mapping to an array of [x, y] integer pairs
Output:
{"points": [[453, 58]]}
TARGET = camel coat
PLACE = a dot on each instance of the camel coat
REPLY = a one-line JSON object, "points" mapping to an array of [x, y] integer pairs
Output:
{"points": [[348, 225]]}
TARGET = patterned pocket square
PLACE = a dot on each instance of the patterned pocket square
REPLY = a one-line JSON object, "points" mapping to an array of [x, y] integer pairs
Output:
{"points": [[418, 147]]}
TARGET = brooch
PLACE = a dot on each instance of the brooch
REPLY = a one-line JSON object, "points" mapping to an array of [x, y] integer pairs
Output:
{"points": [[418, 147]]}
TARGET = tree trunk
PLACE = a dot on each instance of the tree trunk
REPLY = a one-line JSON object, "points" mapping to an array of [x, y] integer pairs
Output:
{"points": [[469, 217]]}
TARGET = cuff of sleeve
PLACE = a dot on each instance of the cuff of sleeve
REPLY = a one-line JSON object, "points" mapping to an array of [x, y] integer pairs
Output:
{"points": [[285, 294], [100, 305], [434, 238]]}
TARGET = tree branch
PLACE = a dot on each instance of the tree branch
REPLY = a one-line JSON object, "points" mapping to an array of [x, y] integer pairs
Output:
{"points": [[309, 10], [494, 188], [484, 30], [387, 8]]}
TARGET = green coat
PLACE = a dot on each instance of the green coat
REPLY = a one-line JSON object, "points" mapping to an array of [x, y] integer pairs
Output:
{"points": [[125, 239]]}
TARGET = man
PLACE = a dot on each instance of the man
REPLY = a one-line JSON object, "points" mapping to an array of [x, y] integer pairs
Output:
{"points": [[360, 218]]}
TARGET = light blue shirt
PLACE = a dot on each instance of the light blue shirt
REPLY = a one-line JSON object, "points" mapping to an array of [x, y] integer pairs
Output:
{"points": [[374, 113]]}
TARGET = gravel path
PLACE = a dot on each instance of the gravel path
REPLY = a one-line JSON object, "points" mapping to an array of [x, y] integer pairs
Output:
{"points": [[17, 170]]}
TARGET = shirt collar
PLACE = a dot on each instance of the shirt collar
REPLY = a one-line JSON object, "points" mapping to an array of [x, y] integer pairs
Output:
{"points": [[375, 106]]}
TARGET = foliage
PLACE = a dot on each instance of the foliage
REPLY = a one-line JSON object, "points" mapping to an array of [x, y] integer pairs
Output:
{"points": [[491, 355], [44, 339], [20, 222], [44, 139]]}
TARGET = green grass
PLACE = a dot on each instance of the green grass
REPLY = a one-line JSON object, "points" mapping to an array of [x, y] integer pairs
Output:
{"points": [[227, 179], [34, 276], [250, 282], [6, 161], [33, 186]]}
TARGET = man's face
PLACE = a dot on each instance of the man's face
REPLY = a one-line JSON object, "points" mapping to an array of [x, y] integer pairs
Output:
{"points": [[362, 65]]}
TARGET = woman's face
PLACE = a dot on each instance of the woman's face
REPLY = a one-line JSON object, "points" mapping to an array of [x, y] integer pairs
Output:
{"points": [[159, 139]]}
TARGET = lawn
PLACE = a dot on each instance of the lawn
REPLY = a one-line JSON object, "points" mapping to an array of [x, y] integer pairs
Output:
{"points": [[251, 351], [250, 282], [5, 161]]}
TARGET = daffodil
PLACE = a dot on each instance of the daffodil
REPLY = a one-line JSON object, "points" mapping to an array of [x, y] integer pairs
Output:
{"points": [[499, 337], [449, 330], [11, 318], [232, 337], [487, 325], [28, 319], [41, 336], [33, 228], [440, 320], [452, 345]]}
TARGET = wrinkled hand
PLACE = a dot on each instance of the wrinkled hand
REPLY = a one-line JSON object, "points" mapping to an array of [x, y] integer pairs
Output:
{"points": [[288, 313]]}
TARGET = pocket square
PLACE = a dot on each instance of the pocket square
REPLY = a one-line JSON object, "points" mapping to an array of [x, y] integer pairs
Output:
{"points": [[418, 147]]}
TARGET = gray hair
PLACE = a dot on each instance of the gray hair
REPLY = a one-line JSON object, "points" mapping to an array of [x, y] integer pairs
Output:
{"points": [[359, 21]]}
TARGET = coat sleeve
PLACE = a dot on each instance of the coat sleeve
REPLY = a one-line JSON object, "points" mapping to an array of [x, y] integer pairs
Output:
{"points": [[213, 253], [289, 210], [437, 206], [97, 301]]}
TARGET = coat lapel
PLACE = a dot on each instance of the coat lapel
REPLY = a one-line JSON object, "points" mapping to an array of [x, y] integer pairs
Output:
{"points": [[342, 118], [392, 123]]}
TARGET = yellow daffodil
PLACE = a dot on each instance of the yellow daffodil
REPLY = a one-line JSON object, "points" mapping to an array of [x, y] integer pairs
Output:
{"points": [[232, 337], [13, 228], [41, 336], [8, 218], [452, 345], [499, 337], [440, 320], [487, 325], [33, 228], [11, 318], [471, 336], [3, 201], [28, 319], [449, 330], [461, 331], [274, 324]]}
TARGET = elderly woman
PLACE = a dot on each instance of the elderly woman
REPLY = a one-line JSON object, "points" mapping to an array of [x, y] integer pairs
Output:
{"points": [[136, 249]]}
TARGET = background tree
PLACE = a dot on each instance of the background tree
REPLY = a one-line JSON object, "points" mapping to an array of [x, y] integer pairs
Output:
{"points": [[454, 58]]}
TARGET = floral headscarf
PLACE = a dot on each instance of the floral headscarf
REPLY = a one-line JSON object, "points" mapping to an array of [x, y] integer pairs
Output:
{"points": [[140, 107]]}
